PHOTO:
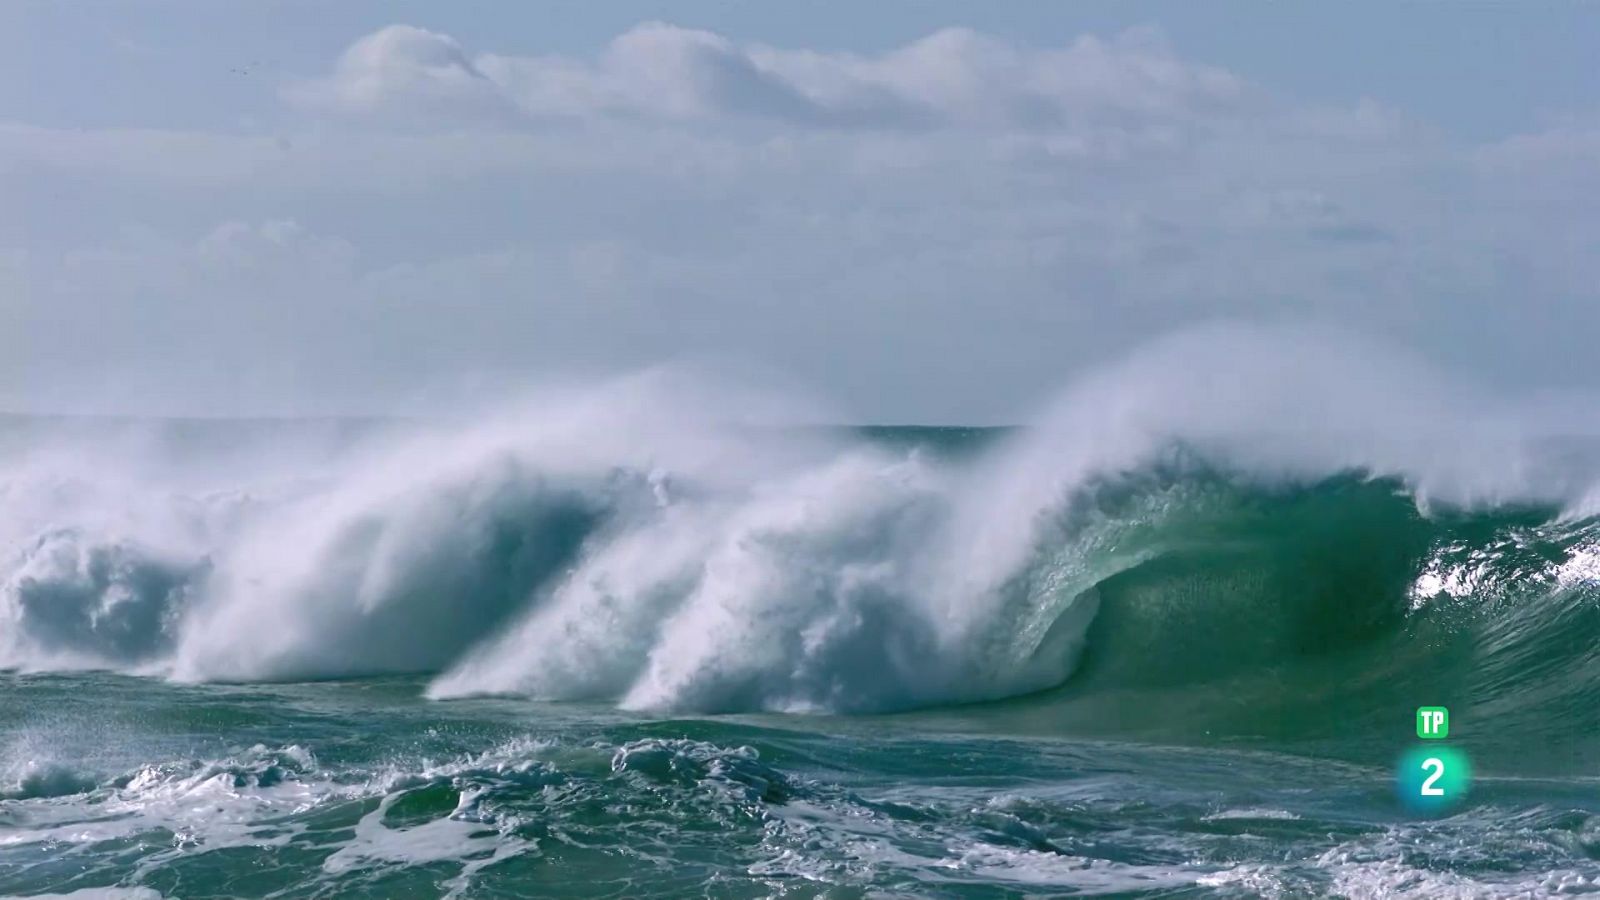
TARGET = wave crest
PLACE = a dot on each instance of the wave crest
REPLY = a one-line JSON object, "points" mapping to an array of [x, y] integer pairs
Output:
{"points": [[1193, 513]]}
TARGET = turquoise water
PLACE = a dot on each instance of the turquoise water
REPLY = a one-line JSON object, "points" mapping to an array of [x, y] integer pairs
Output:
{"points": [[363, 789], [579, 660]]}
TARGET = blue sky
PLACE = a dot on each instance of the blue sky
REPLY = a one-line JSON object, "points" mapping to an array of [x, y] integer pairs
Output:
{"points": [[938, 211]]}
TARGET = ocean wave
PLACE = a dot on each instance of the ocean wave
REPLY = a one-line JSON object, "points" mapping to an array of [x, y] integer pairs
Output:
{"points": [[1224, 503]]}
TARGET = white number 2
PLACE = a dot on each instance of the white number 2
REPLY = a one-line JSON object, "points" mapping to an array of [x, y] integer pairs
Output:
{"points": [[1437, 765]]}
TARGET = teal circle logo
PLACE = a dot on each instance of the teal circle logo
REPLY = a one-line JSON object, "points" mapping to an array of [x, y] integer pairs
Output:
{"points": [[1433, 779]]}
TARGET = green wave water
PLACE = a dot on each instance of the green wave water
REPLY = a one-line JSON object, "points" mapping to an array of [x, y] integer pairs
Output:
{"points": [[844, 664]]}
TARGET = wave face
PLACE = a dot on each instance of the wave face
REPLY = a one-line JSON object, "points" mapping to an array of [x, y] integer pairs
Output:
{"points": [[1221, 521]]}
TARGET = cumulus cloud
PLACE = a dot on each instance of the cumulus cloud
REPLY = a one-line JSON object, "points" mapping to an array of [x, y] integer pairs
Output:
{"points": [[404, 71], [952, 78], [962, 77]]}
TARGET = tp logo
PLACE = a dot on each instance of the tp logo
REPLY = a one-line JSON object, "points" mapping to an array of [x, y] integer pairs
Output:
{"points": [[1433, 723], [1432, 778]]}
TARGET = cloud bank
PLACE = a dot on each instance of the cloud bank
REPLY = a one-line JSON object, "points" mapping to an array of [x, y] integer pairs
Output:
{"points": [[954, 78], [941, 231]]}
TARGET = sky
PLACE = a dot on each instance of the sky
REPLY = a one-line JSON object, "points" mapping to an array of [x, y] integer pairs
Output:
{"points": [[924, 211]]}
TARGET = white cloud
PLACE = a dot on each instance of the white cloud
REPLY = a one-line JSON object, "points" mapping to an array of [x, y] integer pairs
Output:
{"points": [[953, 78], [958, 76], [943, 230], [402, 71]]}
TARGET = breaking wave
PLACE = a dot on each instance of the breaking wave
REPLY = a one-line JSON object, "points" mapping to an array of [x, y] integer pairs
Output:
{"points": [[1226, 503]]}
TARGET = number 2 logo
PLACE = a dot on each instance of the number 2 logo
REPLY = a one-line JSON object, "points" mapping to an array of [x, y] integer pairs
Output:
{"points": [[1436, 765]]}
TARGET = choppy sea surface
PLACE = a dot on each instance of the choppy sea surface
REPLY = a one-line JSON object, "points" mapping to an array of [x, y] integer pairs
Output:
{"points": [[126, 787]]}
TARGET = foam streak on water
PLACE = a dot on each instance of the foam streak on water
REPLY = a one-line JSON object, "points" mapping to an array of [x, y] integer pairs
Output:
{"points": [[396, 796]]}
